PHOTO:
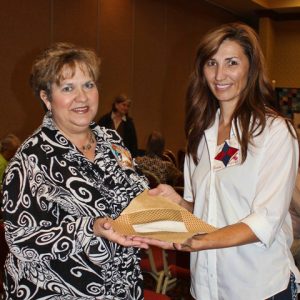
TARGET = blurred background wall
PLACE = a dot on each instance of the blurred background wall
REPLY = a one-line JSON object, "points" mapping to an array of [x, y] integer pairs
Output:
{"points": [[147, 48]]}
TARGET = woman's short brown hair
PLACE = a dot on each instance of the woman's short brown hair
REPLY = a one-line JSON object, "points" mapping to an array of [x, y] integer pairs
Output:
{"points": [[48, 67]]}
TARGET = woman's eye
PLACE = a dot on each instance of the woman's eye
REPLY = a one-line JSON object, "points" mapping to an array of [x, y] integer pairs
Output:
{"points": [[90, 85], [232, 63], [211, 63], [67, 88]]}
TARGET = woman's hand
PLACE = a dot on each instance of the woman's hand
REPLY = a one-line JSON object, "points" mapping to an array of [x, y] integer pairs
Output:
{"points": [[190, 245], [103, 228], [154, 242], [232, 235], [168, 192]]}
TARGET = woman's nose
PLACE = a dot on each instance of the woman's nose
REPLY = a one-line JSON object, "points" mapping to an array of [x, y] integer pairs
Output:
{"points": [[81, 95], [220, 74]]}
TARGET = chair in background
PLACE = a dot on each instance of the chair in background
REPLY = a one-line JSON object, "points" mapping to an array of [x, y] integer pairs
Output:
{"points": [[169, 155], [152, 178], [153, 263], [177, 267], [150, 295], [166, 267]]}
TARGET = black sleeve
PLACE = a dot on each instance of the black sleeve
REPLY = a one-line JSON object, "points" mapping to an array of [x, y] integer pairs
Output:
{"points": [[105, 121], [130, 138]]}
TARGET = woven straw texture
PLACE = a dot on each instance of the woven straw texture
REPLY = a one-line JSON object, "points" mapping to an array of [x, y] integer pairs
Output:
{"points": [[147, 209]]}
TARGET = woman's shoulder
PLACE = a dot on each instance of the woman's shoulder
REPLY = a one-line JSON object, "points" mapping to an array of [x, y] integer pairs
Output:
{"points": [[105, 120], [105, 116], [29, 147], [279, 129], [30, 143], [129, 119], [277, 122], [107, 134], [129, 123]]}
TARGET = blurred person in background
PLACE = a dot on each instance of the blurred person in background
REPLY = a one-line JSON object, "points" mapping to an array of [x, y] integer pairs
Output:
{"points": [[8, 147], [153, 161], [119, 120]]}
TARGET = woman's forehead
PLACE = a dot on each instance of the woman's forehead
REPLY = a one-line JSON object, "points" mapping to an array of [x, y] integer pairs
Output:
{"points": [[69, 70]]}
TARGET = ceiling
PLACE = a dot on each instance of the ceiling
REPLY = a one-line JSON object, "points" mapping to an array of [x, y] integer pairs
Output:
{"points": [[252, 9]]}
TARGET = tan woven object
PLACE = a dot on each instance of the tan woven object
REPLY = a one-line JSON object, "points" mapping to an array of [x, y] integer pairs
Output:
{"points": [[158, 217]]}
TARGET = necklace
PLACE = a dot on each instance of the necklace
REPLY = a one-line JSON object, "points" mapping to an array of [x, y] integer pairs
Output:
{"points": [[91, 141]]}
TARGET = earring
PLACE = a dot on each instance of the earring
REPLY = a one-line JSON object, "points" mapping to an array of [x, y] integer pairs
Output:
{"points": [[49, 112]]}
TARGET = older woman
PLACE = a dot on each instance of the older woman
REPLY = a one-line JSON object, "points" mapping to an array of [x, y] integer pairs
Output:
{"points": [[240, 173], [62, 185]]}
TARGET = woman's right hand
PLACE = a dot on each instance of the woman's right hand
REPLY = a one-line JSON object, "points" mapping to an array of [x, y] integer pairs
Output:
{"points": [[168, 192], [103, 228]]}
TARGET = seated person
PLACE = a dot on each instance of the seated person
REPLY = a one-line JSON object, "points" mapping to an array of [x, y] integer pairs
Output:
{"points": [[153, 162], [8, 147]]}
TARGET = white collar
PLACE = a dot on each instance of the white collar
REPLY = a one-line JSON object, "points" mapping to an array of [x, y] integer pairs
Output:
{"points": [[113, 116]]}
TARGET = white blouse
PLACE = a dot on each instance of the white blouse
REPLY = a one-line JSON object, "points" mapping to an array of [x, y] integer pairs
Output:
{"points": [[258, 193]]}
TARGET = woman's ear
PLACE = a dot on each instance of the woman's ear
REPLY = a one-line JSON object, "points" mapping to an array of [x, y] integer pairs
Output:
{"points": [[45, 98]]}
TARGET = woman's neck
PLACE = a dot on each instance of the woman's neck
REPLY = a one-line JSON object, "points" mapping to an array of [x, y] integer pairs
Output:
{"points": [[118, 115], [224, 126], [226, 113], [84, 140]]}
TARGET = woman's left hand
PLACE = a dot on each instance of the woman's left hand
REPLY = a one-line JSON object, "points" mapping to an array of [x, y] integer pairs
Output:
{"points": [[103, 228], [185, 246], [154, 242], [232, 235], [190, 245]]}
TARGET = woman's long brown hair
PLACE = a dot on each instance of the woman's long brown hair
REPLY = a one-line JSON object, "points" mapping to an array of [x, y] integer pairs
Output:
{"points": [[256, 101]]}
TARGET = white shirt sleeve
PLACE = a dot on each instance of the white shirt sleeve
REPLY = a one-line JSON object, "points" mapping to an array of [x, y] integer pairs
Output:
{"points": [[296, 195], [277, 174]]}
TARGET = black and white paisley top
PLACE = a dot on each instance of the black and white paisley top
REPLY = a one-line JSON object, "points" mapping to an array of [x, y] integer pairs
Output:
{"points": [[51, 197]]}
